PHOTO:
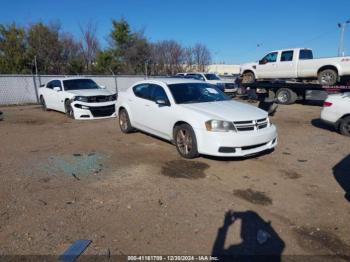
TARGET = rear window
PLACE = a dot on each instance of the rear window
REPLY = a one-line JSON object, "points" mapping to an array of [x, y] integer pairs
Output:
{"points": [[305, 54]]}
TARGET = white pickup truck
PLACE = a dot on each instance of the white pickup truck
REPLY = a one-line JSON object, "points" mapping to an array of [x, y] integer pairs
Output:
{"points": [[297, 64]]}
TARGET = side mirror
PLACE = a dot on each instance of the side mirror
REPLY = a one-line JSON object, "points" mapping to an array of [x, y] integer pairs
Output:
{"points": [[262, 62], [57, 89], [103, 87], [162, 102]]}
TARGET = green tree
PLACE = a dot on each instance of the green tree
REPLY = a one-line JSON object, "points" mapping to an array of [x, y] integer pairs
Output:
{"points": [[12, 50], [44, 44]]}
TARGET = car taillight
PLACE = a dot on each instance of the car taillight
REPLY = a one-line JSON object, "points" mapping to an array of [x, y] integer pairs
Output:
{"points": [[327, 104]]}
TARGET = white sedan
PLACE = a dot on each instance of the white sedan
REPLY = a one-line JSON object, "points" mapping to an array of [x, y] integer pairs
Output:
{"points": [[79, 98], [336, 111], [196, 116]]}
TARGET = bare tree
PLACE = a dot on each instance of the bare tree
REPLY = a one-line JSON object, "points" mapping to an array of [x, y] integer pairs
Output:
{"points": [[202, 56], [89, 44], [167, 57]]}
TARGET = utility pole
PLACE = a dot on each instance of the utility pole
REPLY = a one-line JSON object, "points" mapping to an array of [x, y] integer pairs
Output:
{"points": [[341, 50]]}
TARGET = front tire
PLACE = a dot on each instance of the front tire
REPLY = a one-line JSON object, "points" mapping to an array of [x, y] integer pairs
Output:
{"points": [[327, 77], [248, 78], [185, 141], [285, 96], [344, 127], [69, 109], [43, 103], [124, 122]]}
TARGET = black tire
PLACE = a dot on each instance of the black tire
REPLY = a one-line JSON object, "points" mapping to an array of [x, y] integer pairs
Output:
{"points": [[43, 103], [344, 127], [328, 77], [185, 141], [124, 122], [248, 78], [285, 96], [69, 109]]}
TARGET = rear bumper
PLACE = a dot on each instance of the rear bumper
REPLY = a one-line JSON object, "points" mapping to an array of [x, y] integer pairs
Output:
{"points": [[231, 144], [88, 111]]}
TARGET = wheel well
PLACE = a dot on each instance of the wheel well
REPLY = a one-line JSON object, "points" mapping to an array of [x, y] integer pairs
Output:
{"points": [[120, 109], [327, 67], [248, 71], [179, 123]]}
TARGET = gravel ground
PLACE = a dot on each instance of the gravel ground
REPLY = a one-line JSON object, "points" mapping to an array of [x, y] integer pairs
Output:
{"points": [[63, 180]]}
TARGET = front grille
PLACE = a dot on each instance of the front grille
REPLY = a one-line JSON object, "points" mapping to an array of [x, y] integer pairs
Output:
{"points": [[253, 146], [251, 125], [230, 85], [102, 111], [100, 99]]}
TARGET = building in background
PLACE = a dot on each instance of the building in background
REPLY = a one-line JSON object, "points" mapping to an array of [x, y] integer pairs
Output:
{"points": [[224, 69]]}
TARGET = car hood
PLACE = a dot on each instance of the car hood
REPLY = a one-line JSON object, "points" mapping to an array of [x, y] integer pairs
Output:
{"points": [[227, 110], [215, 82], [248, 65], [90, 92]]}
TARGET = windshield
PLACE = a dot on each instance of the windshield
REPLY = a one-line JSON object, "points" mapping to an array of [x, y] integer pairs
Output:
{"points": [[78, 84], [190, 93], [211, 77]]}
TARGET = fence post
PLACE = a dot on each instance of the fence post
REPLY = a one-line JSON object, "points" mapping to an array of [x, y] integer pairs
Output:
{"points": [[36, 89]]}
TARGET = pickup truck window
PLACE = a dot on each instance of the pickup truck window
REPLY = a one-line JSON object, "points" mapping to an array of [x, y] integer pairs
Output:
{"points": [[287, 56], [270, 58], [305, 54]]}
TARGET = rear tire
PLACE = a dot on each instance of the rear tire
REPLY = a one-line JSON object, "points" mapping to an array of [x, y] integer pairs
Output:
{"points": [[124, 122], [328, 77], [185, 141], [285, 96], [248, 78], [344, 127]]}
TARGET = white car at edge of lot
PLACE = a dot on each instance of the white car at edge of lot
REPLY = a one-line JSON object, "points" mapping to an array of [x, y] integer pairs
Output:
{"points": [[79, 98], [196, 116], [336, 111]]}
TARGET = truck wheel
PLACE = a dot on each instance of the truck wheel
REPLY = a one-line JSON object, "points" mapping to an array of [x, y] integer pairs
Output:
{"points": [[327, 77], [285, 96], [248, 78], [344, 126]]}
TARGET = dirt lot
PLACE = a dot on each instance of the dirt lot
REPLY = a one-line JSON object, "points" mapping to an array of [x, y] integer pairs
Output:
{"points": [[63, 180]]}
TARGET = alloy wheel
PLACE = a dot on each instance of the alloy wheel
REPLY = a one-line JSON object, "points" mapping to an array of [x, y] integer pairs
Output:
{"points": [[184, 141]]}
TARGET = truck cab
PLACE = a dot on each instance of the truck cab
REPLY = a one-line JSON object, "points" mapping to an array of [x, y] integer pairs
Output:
{"points": [[296, 63]]}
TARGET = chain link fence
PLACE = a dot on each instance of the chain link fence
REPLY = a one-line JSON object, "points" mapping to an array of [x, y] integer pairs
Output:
{"points": [[23, 89]]}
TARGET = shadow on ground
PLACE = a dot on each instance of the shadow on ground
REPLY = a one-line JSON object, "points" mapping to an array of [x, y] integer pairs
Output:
{"points": [[341, 172], [320, 124], [259, 240]]}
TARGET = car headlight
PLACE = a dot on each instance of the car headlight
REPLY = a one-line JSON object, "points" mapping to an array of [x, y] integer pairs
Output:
{"points": [[219, 126], [81, 99]]}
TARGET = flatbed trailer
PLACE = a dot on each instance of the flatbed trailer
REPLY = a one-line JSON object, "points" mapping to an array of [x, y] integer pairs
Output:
{"points": [[284, 92]]}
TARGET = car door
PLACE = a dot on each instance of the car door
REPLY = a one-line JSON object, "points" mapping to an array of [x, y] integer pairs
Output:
{"points": [[267, 66], [159, 118], [287, 66], [138, 104], [50, 95], [59, 96]]}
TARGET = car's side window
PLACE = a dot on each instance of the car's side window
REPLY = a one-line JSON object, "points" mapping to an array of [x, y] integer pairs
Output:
{"points": [[287, 56], [57, 83], [271, 57], [50, 84], [158, 93], [142, 91]]}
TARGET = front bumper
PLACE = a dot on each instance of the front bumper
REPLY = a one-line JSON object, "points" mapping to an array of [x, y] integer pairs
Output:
{"points": [[87, 111], [243, 143]]}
